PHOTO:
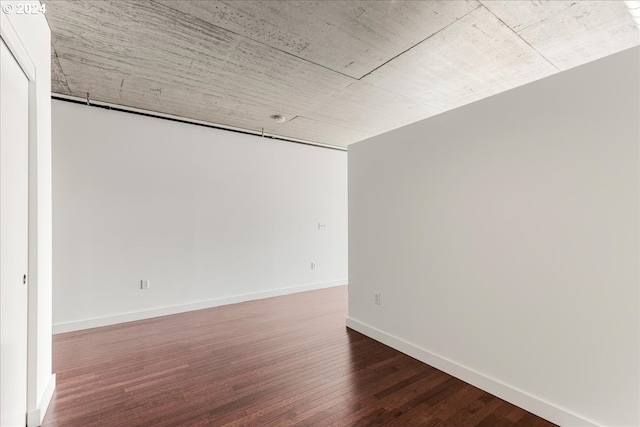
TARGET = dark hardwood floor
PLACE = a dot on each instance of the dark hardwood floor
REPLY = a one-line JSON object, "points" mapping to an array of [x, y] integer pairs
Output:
{"points": [[280, 361]]}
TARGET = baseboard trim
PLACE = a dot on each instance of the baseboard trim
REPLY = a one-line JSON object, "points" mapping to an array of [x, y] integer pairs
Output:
{"points": [[504, 391], [97, 322], [36, 416]]}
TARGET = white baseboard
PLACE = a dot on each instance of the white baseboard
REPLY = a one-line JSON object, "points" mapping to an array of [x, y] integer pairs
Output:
{"points": [[504, 391], [36, 416], [77, 325]]}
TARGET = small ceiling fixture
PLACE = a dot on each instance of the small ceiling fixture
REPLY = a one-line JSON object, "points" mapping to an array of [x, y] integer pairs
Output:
{"points": [[279, 118]]}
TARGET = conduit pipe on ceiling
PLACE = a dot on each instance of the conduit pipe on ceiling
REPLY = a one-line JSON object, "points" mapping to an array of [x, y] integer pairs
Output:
{"points": [[633, 6]]}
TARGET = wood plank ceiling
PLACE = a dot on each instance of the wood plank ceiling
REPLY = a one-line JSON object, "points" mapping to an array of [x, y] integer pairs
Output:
{"points": [[339, 71]]}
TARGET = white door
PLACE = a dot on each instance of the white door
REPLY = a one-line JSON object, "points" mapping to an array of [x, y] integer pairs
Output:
{"points": [[14, 176]]}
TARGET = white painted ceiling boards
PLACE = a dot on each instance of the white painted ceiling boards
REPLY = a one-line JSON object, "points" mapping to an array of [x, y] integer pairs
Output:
{"points": [[340, 71]]}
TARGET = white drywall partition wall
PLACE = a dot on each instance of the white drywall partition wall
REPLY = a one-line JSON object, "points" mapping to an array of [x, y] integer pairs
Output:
{"points": [[207, 216], [503, 238]]}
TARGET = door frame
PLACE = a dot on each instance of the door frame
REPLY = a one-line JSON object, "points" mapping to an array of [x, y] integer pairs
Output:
{"points": [[12, 40]]}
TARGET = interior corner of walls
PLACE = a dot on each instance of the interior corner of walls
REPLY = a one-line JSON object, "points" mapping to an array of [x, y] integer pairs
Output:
{"points": [[504, 391]]}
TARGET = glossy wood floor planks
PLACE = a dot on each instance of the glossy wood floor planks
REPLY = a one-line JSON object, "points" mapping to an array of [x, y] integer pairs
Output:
{"points": [[280, 361]]}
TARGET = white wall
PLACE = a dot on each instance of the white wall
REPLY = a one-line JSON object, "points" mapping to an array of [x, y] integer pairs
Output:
{"points": [[504, 239], [34, 34], [208, 216]]}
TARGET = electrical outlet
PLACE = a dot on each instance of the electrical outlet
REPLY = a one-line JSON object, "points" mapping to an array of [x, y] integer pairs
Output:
{"points": [[377, 298], [144, 284], [313, 265]]}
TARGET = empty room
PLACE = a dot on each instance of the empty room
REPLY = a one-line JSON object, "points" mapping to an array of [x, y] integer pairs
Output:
{"points": [[319, 213]]}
